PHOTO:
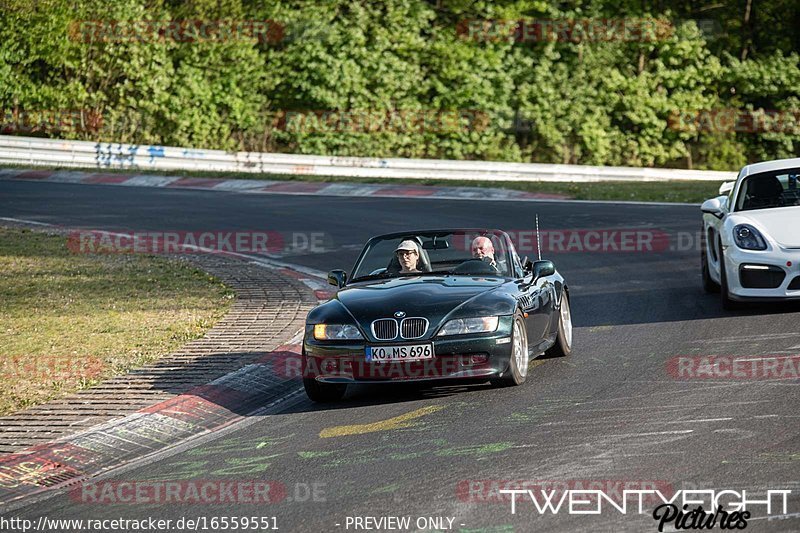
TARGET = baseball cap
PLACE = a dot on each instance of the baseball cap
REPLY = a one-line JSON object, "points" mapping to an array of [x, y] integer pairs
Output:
{"points": [[407, 245]]}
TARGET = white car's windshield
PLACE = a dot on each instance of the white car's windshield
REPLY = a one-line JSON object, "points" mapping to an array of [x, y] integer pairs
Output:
{"points": [[468, 253], [768, 190]]}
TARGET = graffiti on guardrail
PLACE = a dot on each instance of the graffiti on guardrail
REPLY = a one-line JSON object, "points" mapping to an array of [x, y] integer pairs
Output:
{"points": [[30, 150]]}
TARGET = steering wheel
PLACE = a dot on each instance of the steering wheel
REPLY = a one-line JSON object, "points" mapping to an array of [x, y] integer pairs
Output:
{"points": [[475, 266]]}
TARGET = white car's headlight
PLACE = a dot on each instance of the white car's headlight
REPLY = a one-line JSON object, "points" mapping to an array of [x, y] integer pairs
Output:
{"points": [[336, 332], [461, 326], [748, 238]]}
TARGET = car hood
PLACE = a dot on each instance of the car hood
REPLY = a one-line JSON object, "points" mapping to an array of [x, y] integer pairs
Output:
{"points": [[780, 223], [432, 297]]}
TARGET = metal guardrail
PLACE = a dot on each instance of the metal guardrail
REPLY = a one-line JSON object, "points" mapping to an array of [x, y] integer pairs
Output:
{"points": [[83, 154]]}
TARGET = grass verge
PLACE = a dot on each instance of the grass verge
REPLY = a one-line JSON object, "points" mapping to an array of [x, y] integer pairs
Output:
{"points": [[67, 321], [670, 191]]}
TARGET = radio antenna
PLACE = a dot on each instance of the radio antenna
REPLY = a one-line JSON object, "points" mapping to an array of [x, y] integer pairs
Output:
{"points": [[538, 240]]}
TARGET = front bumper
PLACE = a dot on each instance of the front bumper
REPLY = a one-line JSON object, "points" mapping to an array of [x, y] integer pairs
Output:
{"points": [[458, 357], [741, 280]]}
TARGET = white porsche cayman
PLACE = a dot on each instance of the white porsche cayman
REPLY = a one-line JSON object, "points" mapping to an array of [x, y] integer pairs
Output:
{"points": [[751, 248]]}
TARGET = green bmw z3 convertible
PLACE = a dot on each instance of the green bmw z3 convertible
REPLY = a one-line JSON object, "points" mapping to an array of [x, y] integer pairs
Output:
{"points": [[435, 305]]}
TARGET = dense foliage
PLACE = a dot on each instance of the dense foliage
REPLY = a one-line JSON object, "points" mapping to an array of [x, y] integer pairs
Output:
{"points": [[682, 83]]}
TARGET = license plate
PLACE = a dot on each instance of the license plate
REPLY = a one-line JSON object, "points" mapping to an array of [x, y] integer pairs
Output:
{"points": [[385, 354]]}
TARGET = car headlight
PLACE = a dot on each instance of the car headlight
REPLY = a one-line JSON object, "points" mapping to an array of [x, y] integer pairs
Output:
{"points": [[461, 326], [748, 238], [336, 332]]}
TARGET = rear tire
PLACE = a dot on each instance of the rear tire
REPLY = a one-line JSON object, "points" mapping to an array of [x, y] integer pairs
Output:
{"points": [[324, 392], [563, 345], [518, 361]]}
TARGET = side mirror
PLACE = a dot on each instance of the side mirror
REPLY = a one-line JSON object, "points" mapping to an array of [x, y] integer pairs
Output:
{"points": [[337, 278], [543, 268], [726, 187], [713, 206], [527, 266]]}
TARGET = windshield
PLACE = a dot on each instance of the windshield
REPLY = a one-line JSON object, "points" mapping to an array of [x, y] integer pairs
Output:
{"points": [[768, 190], [458, 253]]}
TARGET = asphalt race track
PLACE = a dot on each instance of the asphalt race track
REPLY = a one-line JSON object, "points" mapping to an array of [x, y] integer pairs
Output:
{"points": [[611, 413]]}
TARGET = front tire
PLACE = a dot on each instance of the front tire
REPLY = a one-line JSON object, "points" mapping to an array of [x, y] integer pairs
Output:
{"points": [[518, 362], [727, 303], [563, 345], [324, 392], [709, 285]]}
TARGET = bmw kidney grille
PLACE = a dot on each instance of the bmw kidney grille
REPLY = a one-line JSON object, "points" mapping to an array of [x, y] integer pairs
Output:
{"points": [[386, 329]]}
